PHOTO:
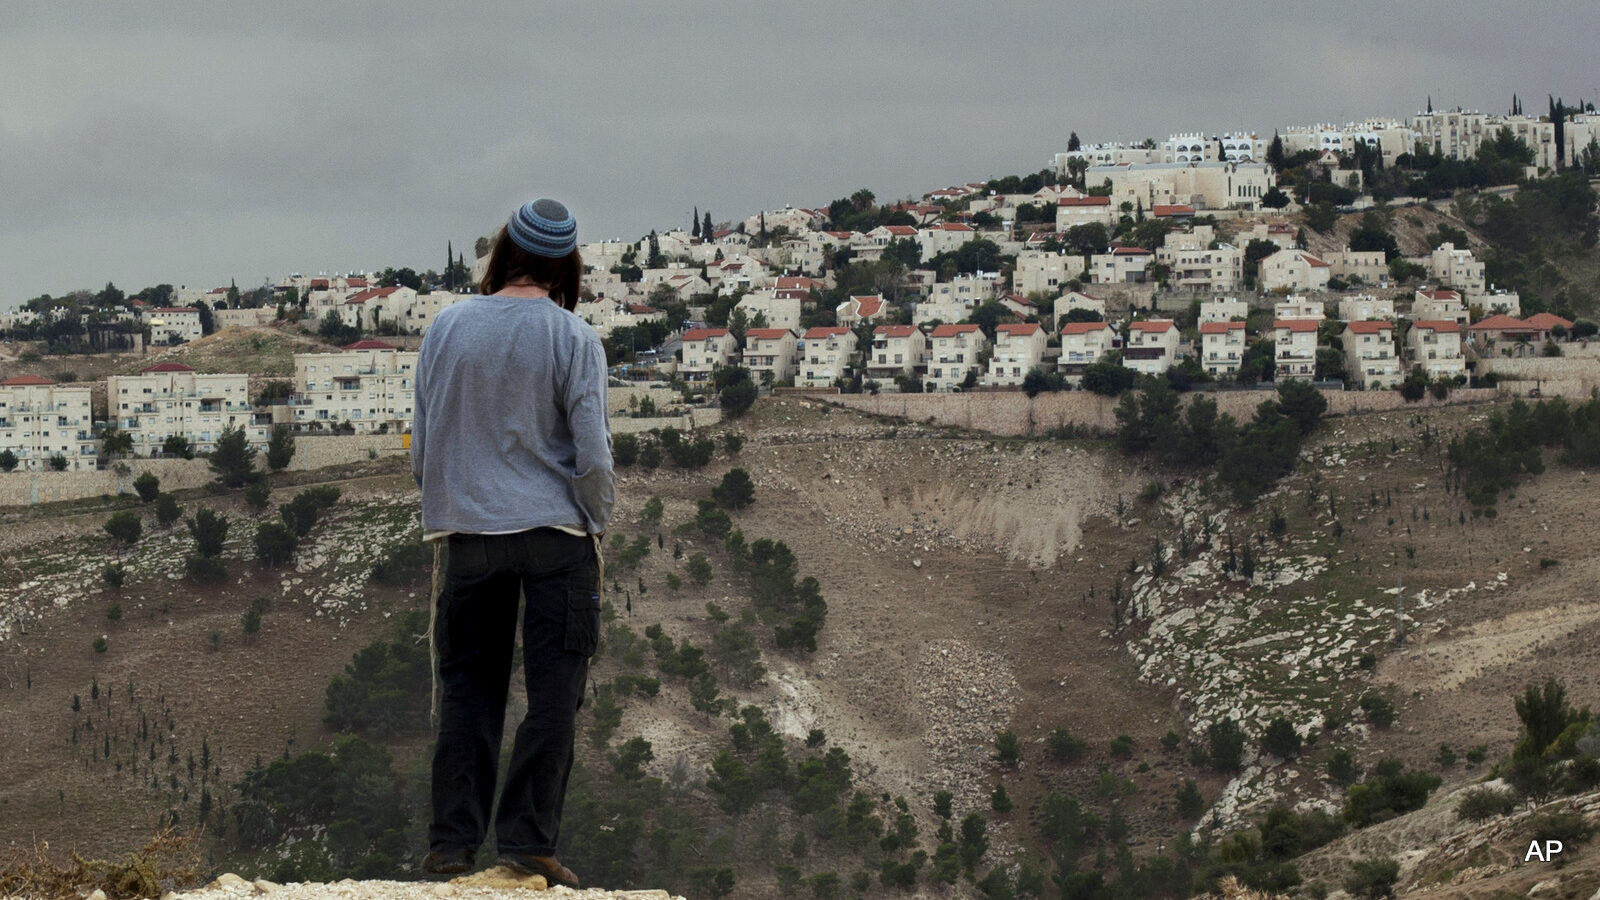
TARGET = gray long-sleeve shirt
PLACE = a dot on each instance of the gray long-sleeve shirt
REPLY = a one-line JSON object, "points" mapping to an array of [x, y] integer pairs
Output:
{"points": [[509, 430]]}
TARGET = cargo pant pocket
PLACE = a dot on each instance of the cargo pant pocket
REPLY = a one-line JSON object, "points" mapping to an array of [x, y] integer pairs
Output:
{"points": [[583, 621]]}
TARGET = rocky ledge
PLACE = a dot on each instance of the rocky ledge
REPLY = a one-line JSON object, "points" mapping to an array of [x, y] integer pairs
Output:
{"points": [[498, 883]]}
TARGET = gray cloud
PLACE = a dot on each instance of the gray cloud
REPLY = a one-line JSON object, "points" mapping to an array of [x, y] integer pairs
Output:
{"points": [[193, 142]]}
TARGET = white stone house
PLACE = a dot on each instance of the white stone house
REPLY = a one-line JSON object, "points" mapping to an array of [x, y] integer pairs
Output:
{"points": [[1369, 355], [1363, 307], [1083, 344], [171, 399], [1018, 350], [1039, 272], [1294, 270], [774, 309], [1435, 345], [860, 308], [1294, 343], [1071, 211], [771, 354], [705, 350], [369, 384], [827, 355], [1224, 309], [1222, 346], [1439, 304], [40, 419], [953, 353], [1457, 268], [172, 324], [944, 237], [1152, 346], [1124, 265], [896, 350]]}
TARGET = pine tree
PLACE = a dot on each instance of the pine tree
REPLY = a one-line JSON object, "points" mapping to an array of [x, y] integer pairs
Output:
{"points": [[449, 266]]}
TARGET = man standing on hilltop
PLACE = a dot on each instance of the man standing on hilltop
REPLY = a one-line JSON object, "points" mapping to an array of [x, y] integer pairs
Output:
{"points": [[511, 448]]}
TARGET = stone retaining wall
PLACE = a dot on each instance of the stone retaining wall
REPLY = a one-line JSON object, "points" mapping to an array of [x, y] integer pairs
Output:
{"points": [[1013, 413]]}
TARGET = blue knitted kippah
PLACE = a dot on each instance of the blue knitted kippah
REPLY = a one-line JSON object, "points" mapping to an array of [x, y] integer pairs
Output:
{"points": [[544, 228]]}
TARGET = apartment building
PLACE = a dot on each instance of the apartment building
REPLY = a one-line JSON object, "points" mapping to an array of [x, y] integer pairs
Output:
{"points": [[827, 355], [1294, 343], [172, 324], [776, 309], [1439, 304], [369, 384], [897, 350], [1368, 266], [1039, 272], [1124, 265], [1294, 270], [1073, 211], [1369, 355], [40, 419], [1222, 346], [1195, 265], [1435, 345], [1018, 350], [1152, 346], [171, 399], [861, 308], [705, 349], [1225, 309], [1458, 269], [1362, 307], [953, 353], [1083, 344], [771, 354]]}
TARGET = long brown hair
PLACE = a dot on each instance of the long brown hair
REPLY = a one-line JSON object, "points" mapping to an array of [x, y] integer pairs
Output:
{"points": [[562, 276]]}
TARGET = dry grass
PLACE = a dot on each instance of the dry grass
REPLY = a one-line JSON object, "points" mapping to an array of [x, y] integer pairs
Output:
{"points": [[168, 862]]}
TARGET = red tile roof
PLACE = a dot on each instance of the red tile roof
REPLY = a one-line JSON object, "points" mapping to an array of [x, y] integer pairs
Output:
{"points": [[895, 331], [954, 226], [1130, 251], [1082, 327], [900, 230], [319, 284], [1502, 323], [1368, 327], [1084, 201], [178, 309], [1313, 261], [354, 282], [1161, 210], [166, 367], [370, 344], [796, 283], [372, 294], [1022, 329], [868, 305], [1299, 325], [1220, 327], [1447, 326], [1545, 321], [25, 381], [1440, 295], [953, 330], [700, 334]]}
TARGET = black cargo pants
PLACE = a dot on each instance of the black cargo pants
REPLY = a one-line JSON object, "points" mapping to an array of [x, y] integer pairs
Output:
{"points": [[484, 580]]}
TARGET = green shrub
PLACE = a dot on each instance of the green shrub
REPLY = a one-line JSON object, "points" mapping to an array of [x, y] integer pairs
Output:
{"points": [[148, 486], [1373, 877], [275, 543], [1481, 803], [403, 562]]}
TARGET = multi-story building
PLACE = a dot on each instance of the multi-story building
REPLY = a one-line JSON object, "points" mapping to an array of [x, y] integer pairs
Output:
{"points": [[40, 419], [953, 353], [771, 354], [1152, 346], [775, 309], [1195, 265], [944, 237], [369, 384], [1298, 306], [1040, 272], [1294, 270], [1457, 269], [827, 355], [1222, 346], [1369, 355], [1362, 307], [704, 350], [897, 350], [173, 400], [1204, 185], [1073, 211], [1369, 267], [1439, 304], [172, 324], [1225, 309], [1435, 345], [1124, 265], [1082, 345], [1294, 343], [1018, 350]]}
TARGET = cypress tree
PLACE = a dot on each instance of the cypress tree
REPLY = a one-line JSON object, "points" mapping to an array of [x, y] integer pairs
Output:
{"points": [[694, 222]]}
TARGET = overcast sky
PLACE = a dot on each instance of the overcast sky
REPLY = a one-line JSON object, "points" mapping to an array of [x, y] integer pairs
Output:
{"points": [[194, 142]]}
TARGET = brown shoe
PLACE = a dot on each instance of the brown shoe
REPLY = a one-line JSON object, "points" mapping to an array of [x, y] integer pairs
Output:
{"points": [[548, 866], [448, 860]]}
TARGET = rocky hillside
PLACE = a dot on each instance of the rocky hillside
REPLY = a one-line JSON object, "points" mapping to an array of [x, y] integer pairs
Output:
{"points": [[1097, 611]]}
